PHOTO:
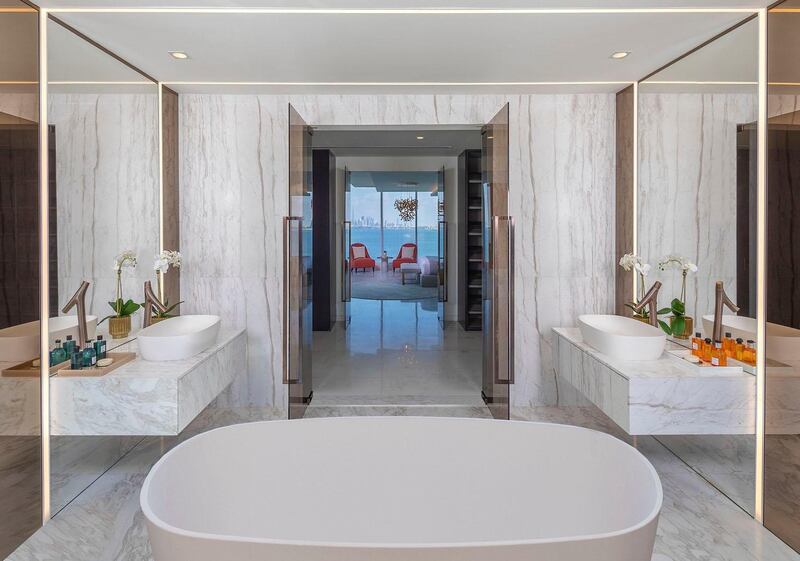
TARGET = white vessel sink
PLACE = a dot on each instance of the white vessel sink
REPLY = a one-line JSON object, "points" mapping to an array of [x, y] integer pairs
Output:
{"points": [[178, 338], [783, 343], [19, 343], [622, 338]]}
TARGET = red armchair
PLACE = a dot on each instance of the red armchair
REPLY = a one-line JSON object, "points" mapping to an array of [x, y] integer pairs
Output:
{"points": [[359, 257], [400, 259]]}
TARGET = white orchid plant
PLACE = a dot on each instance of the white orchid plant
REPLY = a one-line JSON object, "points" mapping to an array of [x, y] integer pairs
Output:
{"points": [[163, 262], [632, 262], [125, 260], [678, 305]]}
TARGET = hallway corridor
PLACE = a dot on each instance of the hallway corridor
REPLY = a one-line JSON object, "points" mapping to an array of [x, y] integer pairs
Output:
{"points": [[395, 353]]}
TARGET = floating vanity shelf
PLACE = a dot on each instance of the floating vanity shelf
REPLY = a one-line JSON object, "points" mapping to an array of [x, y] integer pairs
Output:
{"points": [[146, 398], [658, 397]]}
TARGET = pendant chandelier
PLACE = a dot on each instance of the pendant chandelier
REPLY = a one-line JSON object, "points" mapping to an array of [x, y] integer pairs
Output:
{"points": [[407, 208]]}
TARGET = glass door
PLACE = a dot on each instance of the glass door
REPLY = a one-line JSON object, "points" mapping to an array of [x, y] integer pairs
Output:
{"points": [[442, 248], [498, 268], [347, 241], [297, 272]]}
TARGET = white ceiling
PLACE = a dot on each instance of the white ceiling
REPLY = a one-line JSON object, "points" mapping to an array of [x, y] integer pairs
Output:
{"points": [[463, 51]]}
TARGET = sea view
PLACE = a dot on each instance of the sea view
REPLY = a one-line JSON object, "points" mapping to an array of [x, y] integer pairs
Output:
{"points": [[393, 238]]}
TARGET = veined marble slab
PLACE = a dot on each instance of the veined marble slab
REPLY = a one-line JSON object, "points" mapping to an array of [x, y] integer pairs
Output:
{"points": [[146, 398], [657, 397], [19, 405]]}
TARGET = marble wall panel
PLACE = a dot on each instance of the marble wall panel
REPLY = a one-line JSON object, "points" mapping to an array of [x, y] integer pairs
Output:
{"points": [[233, 153]]}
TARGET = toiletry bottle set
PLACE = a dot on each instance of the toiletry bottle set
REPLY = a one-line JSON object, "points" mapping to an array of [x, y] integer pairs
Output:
{"points": [[87, 357], [717, 353]]}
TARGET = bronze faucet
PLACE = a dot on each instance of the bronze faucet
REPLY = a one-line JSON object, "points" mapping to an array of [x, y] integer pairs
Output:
{"points": [[79, 299], [721, 298], [151, 301], [651, 300]]}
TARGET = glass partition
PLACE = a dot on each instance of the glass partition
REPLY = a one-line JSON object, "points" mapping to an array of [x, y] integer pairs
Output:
{"points": [[104, 210], [696, 226], [20, 382]]}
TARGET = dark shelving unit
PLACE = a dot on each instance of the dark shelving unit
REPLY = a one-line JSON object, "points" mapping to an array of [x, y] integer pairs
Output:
{"points": [[470, 243]]}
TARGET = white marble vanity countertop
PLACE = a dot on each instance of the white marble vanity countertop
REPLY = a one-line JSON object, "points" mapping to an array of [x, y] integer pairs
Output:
{"points": [[664, 367], [146, 398], [171, 369]]}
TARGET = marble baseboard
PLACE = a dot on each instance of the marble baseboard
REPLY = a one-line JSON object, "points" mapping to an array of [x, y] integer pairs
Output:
{"points": [[657, 397], [147, 398]]}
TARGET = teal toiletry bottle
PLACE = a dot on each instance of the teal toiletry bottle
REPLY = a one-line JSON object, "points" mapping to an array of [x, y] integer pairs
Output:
{"points": [[58, 354], [76, 360], [100, 347], [69, 345], [89, 357]]}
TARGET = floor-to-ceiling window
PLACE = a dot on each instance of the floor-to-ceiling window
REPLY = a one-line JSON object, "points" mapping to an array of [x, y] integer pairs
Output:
{"points": [[378, 221]]}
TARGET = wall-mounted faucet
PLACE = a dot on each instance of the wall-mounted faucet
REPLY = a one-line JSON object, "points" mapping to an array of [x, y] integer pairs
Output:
{"points": [[651, 300], [151, 301], [79, 299], [721, 298]]}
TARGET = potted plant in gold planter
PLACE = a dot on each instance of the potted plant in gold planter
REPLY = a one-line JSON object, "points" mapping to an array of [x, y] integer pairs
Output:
{"points": [[632, 262], [163, 262], [680, 325], [119, 323]]}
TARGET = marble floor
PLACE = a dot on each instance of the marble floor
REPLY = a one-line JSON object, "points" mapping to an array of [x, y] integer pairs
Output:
{"points": [[396, 353]]}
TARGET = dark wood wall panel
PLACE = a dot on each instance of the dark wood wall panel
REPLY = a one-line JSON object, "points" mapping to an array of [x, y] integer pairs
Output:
{"points": [[626, 109], [170, 178]]}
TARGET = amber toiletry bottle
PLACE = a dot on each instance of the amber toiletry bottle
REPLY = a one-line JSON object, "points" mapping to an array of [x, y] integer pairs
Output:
{"points": [[739, 349], [729, 345], [718, 356], [707, 347], [749, 355], [697, 345]]}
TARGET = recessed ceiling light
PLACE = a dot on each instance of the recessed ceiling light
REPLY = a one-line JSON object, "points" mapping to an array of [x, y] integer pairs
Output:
{"points": [[420, 137], [620, 54], [180, 55]]}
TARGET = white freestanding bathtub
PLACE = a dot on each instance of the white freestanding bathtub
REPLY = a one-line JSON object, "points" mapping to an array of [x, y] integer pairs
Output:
{"points": [[402, 488]]}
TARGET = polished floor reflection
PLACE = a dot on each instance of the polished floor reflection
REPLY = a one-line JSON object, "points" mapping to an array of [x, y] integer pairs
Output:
{"points": [[396, 353]]}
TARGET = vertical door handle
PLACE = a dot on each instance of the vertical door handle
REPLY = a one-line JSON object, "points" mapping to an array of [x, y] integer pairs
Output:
{"points": [[444, 264], [509, 286], [510, 299], [287, 294], [345, 255], [349, 272]]}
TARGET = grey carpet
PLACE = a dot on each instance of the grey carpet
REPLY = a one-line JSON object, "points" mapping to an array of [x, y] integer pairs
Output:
{"points": [[387, 286]]}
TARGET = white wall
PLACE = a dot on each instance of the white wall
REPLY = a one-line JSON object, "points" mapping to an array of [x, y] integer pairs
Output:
{"points": [[234, 193], [409, 163]]}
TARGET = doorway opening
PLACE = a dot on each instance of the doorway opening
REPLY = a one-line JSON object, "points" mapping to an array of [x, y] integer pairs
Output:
{"points": [[404, 259]]}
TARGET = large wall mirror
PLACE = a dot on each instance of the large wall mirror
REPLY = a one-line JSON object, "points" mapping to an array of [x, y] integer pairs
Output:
{"points": [[696, 216], [20, 424], [782, 345], [105, 228]]}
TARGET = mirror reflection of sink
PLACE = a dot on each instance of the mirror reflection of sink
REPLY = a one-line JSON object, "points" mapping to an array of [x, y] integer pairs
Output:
{"points": [[783, 343], [622, 337], [178, 338], [21, 342]]}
